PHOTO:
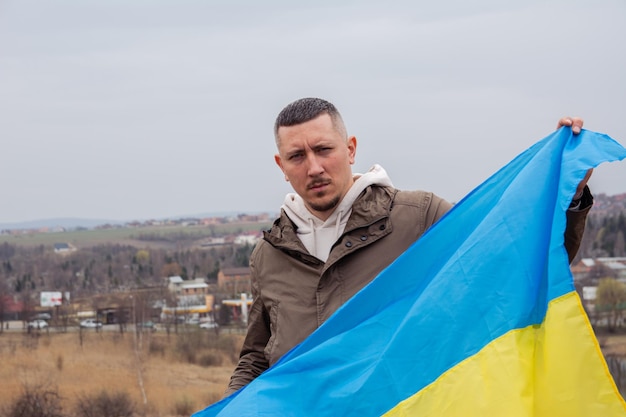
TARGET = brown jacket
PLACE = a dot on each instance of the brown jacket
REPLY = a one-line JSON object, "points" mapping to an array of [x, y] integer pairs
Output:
{"points": [[294, 292]]}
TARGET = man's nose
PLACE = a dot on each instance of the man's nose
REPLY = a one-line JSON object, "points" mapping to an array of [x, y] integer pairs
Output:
{"points": [[315, 167]]}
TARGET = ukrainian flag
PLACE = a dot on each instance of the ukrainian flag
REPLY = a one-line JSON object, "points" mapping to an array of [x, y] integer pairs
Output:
{"points": [[478, 318]]}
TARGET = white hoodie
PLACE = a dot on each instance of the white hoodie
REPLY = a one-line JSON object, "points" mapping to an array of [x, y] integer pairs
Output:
{"points": [[319, 236]]}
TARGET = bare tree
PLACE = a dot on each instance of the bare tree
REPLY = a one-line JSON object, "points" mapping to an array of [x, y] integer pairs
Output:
{"points": [[611, 299], [4, 301]]}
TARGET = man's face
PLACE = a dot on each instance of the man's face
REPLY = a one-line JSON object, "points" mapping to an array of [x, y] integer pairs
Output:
{"points": [[316, 159]]}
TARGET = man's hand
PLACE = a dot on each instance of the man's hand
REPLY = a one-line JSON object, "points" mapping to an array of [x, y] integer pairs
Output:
{"points": [[581, 185], [576, 123]]}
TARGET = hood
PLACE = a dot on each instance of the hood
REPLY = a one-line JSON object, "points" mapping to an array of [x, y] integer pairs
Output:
{"points": [[318, 236]]}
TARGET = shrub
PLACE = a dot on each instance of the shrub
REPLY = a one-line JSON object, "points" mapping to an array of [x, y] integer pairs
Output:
{"points": [[186, 352], [184, 407], [38, 401], [156, 348], [210, 359], [227, 343], [190, 345], [187, 345], [104, 404]]}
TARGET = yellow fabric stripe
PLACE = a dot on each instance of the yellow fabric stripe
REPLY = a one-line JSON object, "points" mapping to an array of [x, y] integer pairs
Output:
{"points": [[552, 370]]}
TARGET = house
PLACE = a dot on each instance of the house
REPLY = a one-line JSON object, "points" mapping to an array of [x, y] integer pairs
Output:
{"points": [[250, 239], [174, 283], [589, 271], [10, 307], [192, 287], [592, 269], [192, 298], [63, 248], [213, 241], [234, 280]]}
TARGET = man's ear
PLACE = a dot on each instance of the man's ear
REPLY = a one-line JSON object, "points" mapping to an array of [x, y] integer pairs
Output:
{"points": [[279, 162], [352, 148]]}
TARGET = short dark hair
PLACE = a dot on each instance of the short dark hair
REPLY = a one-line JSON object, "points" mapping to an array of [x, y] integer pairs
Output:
{"points": [[306, 109]]}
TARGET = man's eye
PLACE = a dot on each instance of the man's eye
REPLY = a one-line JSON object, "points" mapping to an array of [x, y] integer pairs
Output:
{"points": [[295, 157]]}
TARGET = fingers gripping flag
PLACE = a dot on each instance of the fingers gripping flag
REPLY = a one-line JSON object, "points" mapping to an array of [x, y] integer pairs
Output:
{"points": [[478, 318]]}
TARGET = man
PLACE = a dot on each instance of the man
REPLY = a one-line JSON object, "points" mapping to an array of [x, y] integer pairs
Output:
{"points": [[336, 233]]}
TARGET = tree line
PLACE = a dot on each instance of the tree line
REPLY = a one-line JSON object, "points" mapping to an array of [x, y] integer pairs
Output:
{"points": [[105, 269], [605, 236]]}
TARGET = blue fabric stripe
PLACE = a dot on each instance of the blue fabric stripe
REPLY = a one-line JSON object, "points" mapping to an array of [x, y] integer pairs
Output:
{"points": [[489, 266]]}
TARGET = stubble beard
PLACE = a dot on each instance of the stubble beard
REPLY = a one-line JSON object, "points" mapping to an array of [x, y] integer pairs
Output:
{"points": [[323, 207]]}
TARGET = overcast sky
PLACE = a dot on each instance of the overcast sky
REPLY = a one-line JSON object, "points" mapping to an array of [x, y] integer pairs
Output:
{"points": [[139, 109]]}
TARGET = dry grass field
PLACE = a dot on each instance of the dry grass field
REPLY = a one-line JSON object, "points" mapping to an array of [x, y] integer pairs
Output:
{"points": [[178, 372]]}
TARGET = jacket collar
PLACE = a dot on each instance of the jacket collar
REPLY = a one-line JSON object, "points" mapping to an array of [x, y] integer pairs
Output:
{"points": [[373, 205]]}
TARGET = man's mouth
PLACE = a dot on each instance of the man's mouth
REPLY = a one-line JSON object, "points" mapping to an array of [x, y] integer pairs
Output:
{"points": [[318, 185]]}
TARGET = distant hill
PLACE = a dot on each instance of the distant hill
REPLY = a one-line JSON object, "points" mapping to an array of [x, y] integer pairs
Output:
{"points": [[66, 223], [77, 223]]}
